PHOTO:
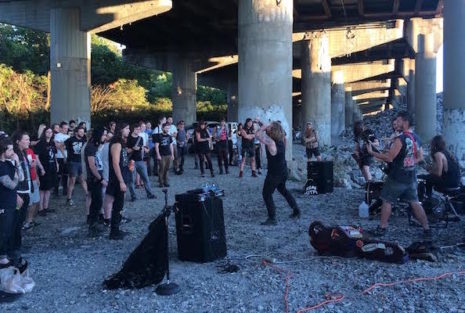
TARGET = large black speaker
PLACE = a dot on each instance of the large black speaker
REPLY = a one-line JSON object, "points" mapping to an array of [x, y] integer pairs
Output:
{"points": [[320, 175], [200, 227]]}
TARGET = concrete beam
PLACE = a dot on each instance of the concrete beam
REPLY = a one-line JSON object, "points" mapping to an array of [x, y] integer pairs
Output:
{"points": [[95, 16], [370, 95], [354, 39]]}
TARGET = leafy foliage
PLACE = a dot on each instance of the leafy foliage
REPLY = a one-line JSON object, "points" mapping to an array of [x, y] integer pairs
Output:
{"points": [[119, 90]]}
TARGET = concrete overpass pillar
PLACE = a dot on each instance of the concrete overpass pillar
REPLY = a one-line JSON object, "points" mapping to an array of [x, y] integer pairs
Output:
{"points": [[265, 62], [337, 104], [425, 88], [69, 67], [232, 102], [316, 85], [349, 108], [183, 92], [454, 78], [411, 89]]}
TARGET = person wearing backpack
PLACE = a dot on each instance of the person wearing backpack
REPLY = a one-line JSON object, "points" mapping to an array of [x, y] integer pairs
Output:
{"points": [[404, 154]]}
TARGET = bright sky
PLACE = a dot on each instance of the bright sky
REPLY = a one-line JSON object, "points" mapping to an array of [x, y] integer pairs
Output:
{"points": [[439, 70]]}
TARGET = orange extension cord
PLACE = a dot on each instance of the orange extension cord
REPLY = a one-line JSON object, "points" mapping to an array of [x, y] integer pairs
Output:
{"points": [[333, 298]]}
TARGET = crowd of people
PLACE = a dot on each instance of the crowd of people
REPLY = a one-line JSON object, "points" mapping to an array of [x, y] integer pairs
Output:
{"points": [[106, 162]]}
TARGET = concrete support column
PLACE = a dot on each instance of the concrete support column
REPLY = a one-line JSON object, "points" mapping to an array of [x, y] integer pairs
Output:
{"points": [[411, 89], [69, 67], [232, 102], [183, 93], [316, 85], [265, 62], [337, 105], [454, 78], [425, 88], [349, 108]]}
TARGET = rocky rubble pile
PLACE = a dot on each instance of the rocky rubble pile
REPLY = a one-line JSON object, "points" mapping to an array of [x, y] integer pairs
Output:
{"points": [[346, 171]]}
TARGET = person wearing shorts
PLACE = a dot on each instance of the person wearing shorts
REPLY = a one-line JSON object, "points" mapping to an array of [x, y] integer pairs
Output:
{"points": [[401, 183], [248, 149], [74, 146]]}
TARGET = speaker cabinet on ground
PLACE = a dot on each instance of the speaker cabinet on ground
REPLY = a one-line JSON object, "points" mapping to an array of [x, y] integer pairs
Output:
{"points": [[200, 227], [320, 174]]}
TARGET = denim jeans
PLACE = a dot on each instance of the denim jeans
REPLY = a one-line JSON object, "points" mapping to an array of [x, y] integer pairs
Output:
{"points": [[141, 168], [272, 183], [181, 151]]}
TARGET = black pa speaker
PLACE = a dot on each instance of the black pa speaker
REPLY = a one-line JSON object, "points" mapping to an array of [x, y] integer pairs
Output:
{"points": [[320, 175], [200, 227]]}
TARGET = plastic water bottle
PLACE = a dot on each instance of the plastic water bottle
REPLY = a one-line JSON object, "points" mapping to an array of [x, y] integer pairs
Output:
{"points": [[363, 210], [206, 187]]}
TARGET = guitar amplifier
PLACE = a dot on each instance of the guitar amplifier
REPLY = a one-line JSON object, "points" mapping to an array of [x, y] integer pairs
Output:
{"points": [[320, 176], [200, 226]]}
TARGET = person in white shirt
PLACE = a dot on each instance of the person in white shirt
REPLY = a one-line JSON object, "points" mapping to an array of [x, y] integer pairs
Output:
{"points": [[173, 132], [61, 155]]}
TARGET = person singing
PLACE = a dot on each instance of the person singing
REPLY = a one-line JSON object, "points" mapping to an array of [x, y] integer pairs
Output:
{"points": [[272, 136]]}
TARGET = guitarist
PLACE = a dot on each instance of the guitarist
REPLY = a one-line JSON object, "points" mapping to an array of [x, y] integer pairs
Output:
{"points": [[404, 154]]}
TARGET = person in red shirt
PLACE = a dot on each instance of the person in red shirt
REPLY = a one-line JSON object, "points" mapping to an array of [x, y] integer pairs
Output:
{"points": [[35, 194]]}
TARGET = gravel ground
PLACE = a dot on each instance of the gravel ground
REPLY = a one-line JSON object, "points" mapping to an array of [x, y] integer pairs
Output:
{"points": [[69, 268]]}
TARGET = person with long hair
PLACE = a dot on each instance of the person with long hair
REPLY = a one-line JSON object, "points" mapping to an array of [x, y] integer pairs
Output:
{"points": [[445, 170], [46, 150], [35, 167], [119, 176], [221, 136], [311, 142], [21, 142], [362, 137], [10, 176], [95, 178], [248, 150], [203, 141], [272, 136]]}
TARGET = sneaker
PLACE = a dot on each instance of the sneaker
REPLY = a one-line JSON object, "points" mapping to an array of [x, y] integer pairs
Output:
{"points": [[69, 202], [254, 174], [42, 213], [212, 174], [160, 185], [125, 220], [166, 184], [151, 196], [117, 235], [270, 221], [377, 232], [202, 175], [106, 222], [427, 235], [133, 199], [27, 226], [295, 214], [241, 174]]}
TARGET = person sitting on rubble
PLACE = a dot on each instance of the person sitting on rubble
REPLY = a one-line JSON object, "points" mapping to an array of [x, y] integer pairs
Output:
{"points": [[444, 172], [363, 136], [311, 142]]}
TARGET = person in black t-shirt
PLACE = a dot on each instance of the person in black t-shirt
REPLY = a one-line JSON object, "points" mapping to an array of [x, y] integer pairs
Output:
{"points": [[95, 180], [46, 151], [248, 136], [137, 150], [362, 137], [9, 178], [203, 140], [118, 161], [445, 171], [74, 146], [277, 174], [165, 153]]}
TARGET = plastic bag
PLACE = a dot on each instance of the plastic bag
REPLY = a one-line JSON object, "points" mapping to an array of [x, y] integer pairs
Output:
{"points": [[11, 281]]}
